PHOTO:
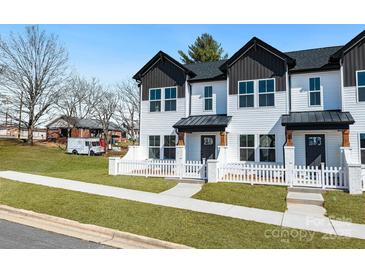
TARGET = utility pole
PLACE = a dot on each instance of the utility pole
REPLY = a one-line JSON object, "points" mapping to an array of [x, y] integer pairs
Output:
{"points": [[20, 115]]}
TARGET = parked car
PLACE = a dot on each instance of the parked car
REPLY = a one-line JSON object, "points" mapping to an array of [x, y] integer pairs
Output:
{"points": [[88, 146]]}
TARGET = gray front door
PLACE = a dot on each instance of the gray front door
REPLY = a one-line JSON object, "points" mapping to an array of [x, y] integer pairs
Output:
{"points": [[207, 148], [315, 149]]}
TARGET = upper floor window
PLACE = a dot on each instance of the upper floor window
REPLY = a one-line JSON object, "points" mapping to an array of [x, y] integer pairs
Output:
{"points": [[246, 94], [267, 148], [155, 100], [362, 148], [208, 98], [170, 99], [247, 148], [360, 78], [154, 147], [266, 93], [169, 151], [315, 91]]}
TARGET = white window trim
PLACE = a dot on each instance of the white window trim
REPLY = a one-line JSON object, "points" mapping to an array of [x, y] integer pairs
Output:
{"points": [[163, 147], [313, 91], [210, 110], [163, 100], [164, 90], [250, 94], [272, 92], [357, 87], [254, 148], [149, 100], [360, 149], [259, 148], [149, 146]]}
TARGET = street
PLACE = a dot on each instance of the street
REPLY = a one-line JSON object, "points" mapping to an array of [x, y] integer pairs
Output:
{"points": [[13, 235]]}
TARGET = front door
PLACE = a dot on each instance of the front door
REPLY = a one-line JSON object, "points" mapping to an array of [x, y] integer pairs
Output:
{"points": [[207, 150], [315, 149]]}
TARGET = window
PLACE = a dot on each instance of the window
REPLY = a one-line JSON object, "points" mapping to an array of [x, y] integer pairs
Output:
{"points": [[361, 85], [267, 148], [315, 91], [154, 147], [246, 94], [266, 93], [208, 98], [247, 148], [169, 147], [362, 148], [170, 99], [155, 100]]}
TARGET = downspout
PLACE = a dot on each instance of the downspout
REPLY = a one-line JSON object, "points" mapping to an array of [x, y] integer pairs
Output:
{"points": [[140, 111], [288, 84]]}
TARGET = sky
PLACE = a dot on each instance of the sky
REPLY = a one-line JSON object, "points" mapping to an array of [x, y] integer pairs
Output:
{"points": [[114, 53]]}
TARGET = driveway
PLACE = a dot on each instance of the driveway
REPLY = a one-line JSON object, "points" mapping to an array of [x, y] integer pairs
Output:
{"points": [[13, 235]]}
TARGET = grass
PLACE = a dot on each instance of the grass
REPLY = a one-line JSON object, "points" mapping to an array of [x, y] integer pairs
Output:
{"points": [[264, 197], [345, 207], [180, 226], [53, 161]]}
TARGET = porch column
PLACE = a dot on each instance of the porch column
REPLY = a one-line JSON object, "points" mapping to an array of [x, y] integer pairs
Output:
{"points": [[223, 141], [289, 154], [345, 138], [181, 140], [289, 138], [180, 155]]}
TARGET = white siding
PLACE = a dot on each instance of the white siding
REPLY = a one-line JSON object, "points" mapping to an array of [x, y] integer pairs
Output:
{"points": [[333, 139], [357, 109], [331, 91], [219, 98], [193, 144], [159, 123], [258, 120]]}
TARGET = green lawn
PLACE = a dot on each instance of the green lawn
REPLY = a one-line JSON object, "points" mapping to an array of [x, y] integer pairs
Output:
{"points": [[180, 226], [265, 197], [345, 207], [55, 162]]}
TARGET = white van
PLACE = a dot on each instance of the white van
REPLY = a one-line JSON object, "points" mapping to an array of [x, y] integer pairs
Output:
{"points": [[89, 146]]}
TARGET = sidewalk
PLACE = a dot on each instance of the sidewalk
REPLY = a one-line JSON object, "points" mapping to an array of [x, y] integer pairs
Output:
{"points": [[290, 220]]}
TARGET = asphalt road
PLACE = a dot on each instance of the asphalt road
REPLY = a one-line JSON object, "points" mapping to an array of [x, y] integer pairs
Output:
{"points": [[13, 235]]}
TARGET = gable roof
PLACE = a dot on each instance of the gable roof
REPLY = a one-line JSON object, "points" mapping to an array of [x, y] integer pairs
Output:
{"points": [[314, 59], [339, 54], [79, 123], [207, 70], [160, 56], [253, 42]]}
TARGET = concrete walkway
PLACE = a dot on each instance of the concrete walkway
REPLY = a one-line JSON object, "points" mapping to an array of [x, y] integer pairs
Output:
{"points": [[291, 220], [186, 190]]}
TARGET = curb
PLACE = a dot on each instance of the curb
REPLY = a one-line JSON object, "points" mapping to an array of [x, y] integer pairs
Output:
{"points": [[89, 232]]}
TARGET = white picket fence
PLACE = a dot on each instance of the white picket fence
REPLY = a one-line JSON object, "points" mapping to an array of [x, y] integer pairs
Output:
{"points": [[162, 168], [327, 177]]}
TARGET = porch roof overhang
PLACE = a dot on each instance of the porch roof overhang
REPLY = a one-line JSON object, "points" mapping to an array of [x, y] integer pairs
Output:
{"points": [[203, 123], [317, 120]]}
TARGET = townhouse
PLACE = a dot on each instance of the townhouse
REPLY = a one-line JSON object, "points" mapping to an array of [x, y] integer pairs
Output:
{"points": [[255, 104]]}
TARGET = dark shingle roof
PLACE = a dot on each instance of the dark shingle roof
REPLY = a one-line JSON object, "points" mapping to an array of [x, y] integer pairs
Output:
{"points": [[82, 123], [207, 70], [313, 59], [314, 118], [203, 122]]}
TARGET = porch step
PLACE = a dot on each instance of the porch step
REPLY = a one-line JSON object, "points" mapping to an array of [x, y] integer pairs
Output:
{"points": [[308, 210], [305, 198], [305, 190]]}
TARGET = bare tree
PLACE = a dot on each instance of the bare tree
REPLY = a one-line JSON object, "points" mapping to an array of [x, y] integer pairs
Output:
{"points": [[105, 110], [129, 108], [33, 68]]}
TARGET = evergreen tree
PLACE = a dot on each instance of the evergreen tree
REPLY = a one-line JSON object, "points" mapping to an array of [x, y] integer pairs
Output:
{"points": [[204, 49]]}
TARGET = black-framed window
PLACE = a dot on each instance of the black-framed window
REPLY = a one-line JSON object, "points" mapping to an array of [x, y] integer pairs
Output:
{"points": [[362, 148], [247, 148], [208, 98], [169, 151], [315, 91], [170, 99], [266, 93], [267, 148], [154, 147], [155, 100], [360, 78], [246, 94]]}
